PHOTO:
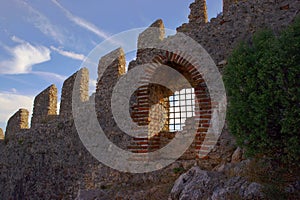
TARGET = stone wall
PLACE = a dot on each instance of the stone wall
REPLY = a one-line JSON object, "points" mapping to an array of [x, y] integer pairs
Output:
{"points": [[111, 67], [17, 123], [227, 4], [50, 162], [45, 106], [152, 102], [238, 23], [198, 13], [80, 91]]}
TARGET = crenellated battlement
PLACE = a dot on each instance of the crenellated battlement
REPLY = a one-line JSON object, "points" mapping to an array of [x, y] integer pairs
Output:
{"points": [[48, 159], [240, 19]]}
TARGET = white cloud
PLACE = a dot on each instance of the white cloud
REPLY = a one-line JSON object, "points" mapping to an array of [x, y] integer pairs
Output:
{"points": [[17, 40], [69, 54], [42, 23], [82, 22], [24, 56], [50, 76], [10, 103], [92, 86]]}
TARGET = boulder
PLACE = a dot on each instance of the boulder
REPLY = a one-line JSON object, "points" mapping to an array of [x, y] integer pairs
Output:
{"points": [[199, 184], [237, 155]]}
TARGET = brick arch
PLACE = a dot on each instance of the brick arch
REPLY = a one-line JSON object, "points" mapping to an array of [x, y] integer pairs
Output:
{"points": [[142, 111]]}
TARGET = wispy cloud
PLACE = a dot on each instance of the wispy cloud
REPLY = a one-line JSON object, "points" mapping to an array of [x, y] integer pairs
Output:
{"points": [[23, 57], [42, 23], [50, 76], [69, 54], [82, 22]]}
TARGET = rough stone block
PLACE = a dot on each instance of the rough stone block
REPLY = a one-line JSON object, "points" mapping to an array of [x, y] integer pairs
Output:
{"points": [[45, 106], [152, 35], [76, 86], [17, 123], [112, 66], [227, 4], [198, 12]]}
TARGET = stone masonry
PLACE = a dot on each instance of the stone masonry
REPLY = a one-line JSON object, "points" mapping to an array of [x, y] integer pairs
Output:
{"points": [[17, 123], [80, 90], [227, 4], [111, 67], [45, 106], [238, 23], [198, 13], [1, 134], [49, 161]]}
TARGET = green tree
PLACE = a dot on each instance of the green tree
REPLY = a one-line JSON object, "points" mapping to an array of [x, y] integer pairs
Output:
{"points": [[262, 80]]}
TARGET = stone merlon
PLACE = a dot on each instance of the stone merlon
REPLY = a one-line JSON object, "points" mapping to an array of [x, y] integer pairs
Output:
{"points": [[76, 86], [198, 12], [1, 134], [45, 106], [152, 35], [112, 65], [17, 123]]}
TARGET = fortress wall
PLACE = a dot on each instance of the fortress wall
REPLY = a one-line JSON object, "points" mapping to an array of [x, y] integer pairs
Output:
{"points": [[17, 123], [141, 100], [237, 23], [45, 106], [111, 67], [53, 155], [79, 90]]}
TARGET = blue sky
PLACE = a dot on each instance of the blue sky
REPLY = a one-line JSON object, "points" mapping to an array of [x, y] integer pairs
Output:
{"points": [[44, 42]]}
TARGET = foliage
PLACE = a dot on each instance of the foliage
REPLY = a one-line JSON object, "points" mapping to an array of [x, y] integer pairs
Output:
{"points": [[262, 80], [177, 170], [274, 178]]}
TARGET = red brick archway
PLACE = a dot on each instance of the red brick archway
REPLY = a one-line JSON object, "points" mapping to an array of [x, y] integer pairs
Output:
{"points": [[141, 112]]}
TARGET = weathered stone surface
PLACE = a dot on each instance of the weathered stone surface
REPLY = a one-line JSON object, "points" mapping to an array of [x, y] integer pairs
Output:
{"points": [[199, 184], [91, 194], [45, 106], [1, 134], [17, 123], [238, 22], [111, 67], [151, 36], [237, 155], [50, 162], [227, 4], [78, 90], [198, 12], [56, 165]]}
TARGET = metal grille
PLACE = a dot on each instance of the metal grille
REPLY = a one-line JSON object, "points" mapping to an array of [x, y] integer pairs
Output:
{"points": [[182, 106]]}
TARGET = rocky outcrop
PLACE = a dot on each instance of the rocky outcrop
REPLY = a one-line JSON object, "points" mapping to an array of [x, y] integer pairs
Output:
{"points": [[237, 155], [200, 184]]}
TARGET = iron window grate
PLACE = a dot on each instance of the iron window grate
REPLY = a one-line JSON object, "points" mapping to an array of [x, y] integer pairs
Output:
{"points": [[182, 106]]}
